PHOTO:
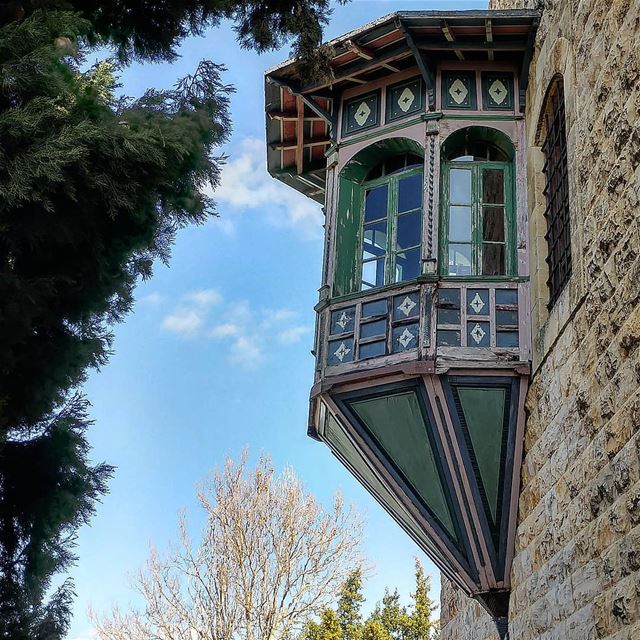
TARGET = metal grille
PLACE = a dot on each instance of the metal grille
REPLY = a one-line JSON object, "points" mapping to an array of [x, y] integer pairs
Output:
{"points": [[556, 191]]}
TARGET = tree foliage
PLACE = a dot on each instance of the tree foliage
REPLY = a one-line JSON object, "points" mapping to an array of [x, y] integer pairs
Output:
{"points": [[268, 558], [93, 188], [389, 620]]}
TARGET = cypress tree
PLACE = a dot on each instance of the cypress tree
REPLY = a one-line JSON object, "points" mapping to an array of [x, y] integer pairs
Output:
{"points": [[93, 189]]}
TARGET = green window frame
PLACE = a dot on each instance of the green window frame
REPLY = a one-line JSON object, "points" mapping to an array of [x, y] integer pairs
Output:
{"points": [[477, 224], [390, 235]]}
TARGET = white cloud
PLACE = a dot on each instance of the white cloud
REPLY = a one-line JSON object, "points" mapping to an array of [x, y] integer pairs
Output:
{"points": [[152, 299], [183, 321], [224, 330], [204, 297], [245, 184], [245, 332], [293, 335], [246, 352]]}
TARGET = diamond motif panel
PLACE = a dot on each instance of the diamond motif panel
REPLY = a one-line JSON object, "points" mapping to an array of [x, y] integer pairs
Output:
{"points": [[497, 91], [361, 113], [404, 99], [459, 90], [478, 334], [405, 337], [343, 321], [340, 351], [406, 306], [477, 302]]}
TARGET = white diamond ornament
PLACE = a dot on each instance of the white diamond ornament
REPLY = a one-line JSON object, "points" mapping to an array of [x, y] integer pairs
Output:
{"points": [[342, 351], [458, 91], [477, 333], [405, 338], [477, 304], [406, 99], [498, 91], [362, 113], [343, 320], [406, 306]]}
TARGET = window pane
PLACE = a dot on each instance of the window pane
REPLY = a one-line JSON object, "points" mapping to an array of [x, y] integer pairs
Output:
{"points": [[460, 186], [375, 240], [410, 193], [373, 349], [375, 203], [376, 308], [493, 224], [408, 230], [373, 273], [408, 265], [459, 259], [460, 224], [493, 260], [373, 329], [493, 186]]}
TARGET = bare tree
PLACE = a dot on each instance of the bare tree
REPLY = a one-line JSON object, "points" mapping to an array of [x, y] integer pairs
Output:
{"points": [[269, 557]]}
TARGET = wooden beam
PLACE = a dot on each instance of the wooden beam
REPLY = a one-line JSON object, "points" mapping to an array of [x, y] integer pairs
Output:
{"points": [[296, 91], [300, 136], [425, 71], [361, 52], [488, 28], [503, 45], [291, 116], [526, 61], [444, 25], [289, 145]]}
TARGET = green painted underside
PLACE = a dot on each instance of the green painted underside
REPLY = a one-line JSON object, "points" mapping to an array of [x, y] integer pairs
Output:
{"points": [[341, 443], [397, 423], [484, 414]]}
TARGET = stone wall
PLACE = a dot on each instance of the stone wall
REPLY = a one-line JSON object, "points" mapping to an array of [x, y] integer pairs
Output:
{"points": [[576, 573]]}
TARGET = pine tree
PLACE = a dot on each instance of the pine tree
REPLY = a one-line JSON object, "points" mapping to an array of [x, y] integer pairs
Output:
{"points": [[375, 630], [423, 627], [350, 606], [92, 191], [327, 629], [392, 616]]}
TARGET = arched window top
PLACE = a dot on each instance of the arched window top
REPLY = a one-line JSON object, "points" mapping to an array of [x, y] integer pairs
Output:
{"points": [[477, 232], [477, 144], [384, 154]]}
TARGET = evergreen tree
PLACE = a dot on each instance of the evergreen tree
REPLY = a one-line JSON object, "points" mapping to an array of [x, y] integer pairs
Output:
{"points": [[92, 191], [422, 627], [392, 616], [375, 630], [327, 629], [349, 607]]}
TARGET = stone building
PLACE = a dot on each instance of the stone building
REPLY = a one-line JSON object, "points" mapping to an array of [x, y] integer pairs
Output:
{"points": [[478, 342], [575, 574]]}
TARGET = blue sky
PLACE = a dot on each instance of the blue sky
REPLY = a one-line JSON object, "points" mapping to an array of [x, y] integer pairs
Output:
{"points": [[215, 356]]}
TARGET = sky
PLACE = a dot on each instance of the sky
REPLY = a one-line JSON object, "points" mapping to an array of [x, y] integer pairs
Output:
{"points": [[215, 356]]}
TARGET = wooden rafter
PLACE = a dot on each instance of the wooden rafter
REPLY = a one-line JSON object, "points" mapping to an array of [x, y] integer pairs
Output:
{"points": [[425, 71], [300, 136], [292, 116], [290, 145], [448, 34], [488, 28]]}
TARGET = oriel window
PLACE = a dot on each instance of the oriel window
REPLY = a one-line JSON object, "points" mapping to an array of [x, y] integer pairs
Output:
{"points": [[556, 190], [477, 234], [392, 222]]}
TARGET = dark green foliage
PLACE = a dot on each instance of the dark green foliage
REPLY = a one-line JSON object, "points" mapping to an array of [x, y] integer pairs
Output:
{"points": [[92, 191], [389, 620]]}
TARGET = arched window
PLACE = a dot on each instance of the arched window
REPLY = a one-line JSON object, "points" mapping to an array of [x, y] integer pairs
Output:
{"points": [[379, 219], [553, 134], [477, 228]]}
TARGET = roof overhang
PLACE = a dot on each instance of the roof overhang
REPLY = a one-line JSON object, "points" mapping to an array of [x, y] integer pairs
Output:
{"points": [[393, 43]]}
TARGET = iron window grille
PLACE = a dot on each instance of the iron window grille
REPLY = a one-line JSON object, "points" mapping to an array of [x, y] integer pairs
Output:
{"points": [[556, 191]]}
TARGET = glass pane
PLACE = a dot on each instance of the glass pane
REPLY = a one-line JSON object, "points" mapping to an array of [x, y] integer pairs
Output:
{"points": [[373, 273], [460, 186], [506, 296], [448, 316], [493, 224], [460, 224], [493, 186], [493, 260], [408, 265], [372, 329], [377, 308], [448, 338], [373, 350], [409, 230], [506, 317], [459, 259], [374, 241], [507, 339], [410, 193], [375, 203]]}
